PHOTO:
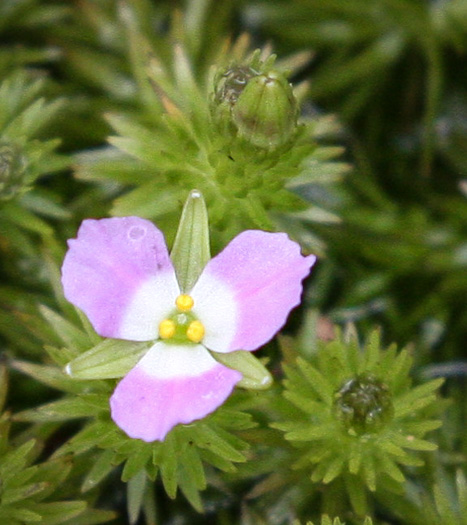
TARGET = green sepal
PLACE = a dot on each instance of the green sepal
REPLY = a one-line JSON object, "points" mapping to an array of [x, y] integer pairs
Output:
{"points": [[191, 252], [255, 375], [108, 360]]}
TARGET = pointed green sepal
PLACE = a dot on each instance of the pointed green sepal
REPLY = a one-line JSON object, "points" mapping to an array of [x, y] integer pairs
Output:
{"points": [[108, 360], [191, 252], [255, 375]]}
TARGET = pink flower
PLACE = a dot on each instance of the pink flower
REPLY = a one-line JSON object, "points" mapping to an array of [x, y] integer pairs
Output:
{"points": [[118, 271]]}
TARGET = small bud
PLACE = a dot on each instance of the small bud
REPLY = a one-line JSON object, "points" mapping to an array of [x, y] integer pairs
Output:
{"points": [[266, 111], [12, 168], [259, 105], [364, 405]]}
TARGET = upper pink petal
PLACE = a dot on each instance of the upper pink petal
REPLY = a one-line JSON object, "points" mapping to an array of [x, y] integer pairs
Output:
{"points": [[171, 384], [245, 293], [118, 271]]}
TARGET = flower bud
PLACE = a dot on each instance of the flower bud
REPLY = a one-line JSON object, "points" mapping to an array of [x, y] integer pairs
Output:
{"points": [[12, 168], [364, 405], [261, 105]]}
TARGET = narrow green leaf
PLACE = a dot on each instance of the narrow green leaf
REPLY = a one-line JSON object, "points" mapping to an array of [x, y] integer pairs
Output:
{"points": [[168, 466], [417, 398], [216, 461], [101, 467], [317, 381], [136, 462], [334, 469], [25, 219], [149, 200], [59, 512], [191, 251], [49, 375], [24, 492], [111, 358], [25, 515], [135, 494], [190, 491], [311, 432], [65, 409], [413, 443], [444, 505], [357, 494], [15, 460], [193, 466], [207, 438], [355, 458], [87, 438], [66, 331], [389, 466]]}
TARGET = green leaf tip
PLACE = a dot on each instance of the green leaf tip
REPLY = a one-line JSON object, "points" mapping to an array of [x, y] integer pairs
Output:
{"points": [[255, 375]]}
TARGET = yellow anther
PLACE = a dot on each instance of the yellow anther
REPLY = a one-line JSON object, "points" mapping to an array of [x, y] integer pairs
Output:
{"points": [[167, 329], [184, 302], [195, 331]]}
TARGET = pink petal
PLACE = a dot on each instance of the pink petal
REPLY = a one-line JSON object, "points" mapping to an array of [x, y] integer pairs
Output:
{"points": [[245, 293], [118, 271], [171, 384]]}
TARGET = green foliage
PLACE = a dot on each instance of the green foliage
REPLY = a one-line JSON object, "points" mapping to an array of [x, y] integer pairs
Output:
{"points": [[441, 503], [23, 27], [25, 156], [245, 185], [30, 491], [359, 419]]}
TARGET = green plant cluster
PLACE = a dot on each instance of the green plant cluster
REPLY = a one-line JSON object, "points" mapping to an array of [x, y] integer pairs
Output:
{"points": [[340, 123]]}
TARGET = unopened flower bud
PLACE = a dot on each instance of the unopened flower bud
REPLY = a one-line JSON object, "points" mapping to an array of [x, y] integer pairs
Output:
{"points": [[12, 167], [261, 105], [364, 405], [266, 111]]}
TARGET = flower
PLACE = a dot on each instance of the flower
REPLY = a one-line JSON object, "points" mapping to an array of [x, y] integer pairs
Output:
{"points": [[118, 271]]}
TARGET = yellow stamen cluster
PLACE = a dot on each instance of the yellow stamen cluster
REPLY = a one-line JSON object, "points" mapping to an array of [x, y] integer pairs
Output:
{"points": [[174, 327]]}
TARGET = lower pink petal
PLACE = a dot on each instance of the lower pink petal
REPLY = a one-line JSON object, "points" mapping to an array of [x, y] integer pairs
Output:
{"points": [[170, 385]]}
